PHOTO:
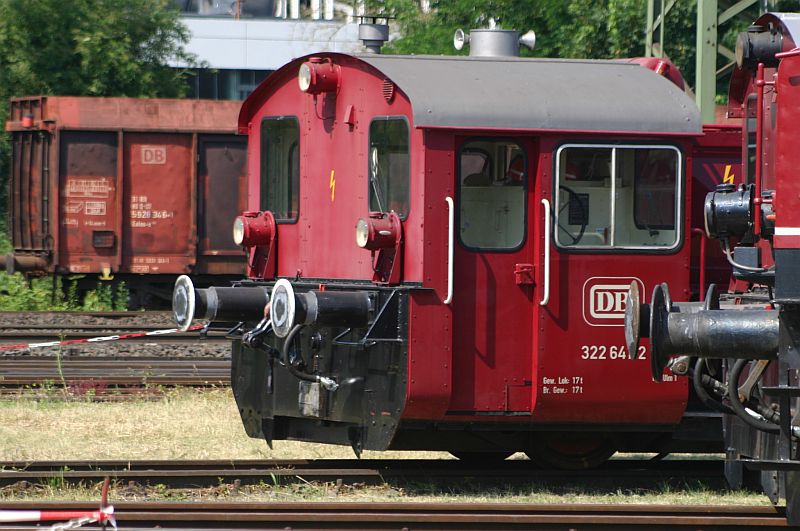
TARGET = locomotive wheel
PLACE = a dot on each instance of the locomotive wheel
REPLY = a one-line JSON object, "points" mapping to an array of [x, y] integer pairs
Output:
{"points": [[570, 452], [481, 457]]}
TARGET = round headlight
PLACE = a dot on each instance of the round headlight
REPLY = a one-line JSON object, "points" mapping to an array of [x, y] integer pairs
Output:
{"points": [[304, 77], [238, 231], [362, 232]]}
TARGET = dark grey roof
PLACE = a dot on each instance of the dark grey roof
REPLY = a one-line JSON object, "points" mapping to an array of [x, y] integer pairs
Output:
{"points": [[515, 93]]}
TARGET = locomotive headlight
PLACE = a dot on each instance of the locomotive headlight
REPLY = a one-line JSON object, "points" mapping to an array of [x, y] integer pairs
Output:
{"points": [[380, 231], [253, 228], [304, 77], [728, 211], [238, 231], [362, 232], [318, 75]]}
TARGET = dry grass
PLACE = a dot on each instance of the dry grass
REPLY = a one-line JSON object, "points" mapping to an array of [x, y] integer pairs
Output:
{"points": [[205, 425], [183, 424]]}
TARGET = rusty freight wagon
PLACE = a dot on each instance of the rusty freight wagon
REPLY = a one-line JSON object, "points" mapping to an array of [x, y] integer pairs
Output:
{"points": [[139, 190]]}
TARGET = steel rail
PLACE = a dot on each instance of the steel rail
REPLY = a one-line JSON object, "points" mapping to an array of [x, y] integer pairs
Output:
{"points": [[377, 471], [22, 371], [491, 516]]}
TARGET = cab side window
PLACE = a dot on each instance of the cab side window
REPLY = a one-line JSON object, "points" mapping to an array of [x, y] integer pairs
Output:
{"points": [[625, 197], [389, 169], [280, 167], [492, 176]]}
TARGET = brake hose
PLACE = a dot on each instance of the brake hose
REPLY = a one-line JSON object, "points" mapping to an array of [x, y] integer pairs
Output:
{"points": [[700, 380], [738, 408]]}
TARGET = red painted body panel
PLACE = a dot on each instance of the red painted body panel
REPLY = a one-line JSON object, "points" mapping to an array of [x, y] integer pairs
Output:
{"points": [[787, 215], [716, 159], [333, 175]]}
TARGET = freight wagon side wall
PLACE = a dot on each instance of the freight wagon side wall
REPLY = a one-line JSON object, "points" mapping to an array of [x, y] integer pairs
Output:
{"points": [[121, 185]]}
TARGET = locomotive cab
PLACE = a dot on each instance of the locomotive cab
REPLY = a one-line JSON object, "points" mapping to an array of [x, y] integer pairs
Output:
{"points": [[447, 243]]}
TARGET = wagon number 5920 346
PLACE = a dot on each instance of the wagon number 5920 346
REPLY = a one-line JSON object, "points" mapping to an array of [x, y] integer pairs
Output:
{"points": [[614, 352]]}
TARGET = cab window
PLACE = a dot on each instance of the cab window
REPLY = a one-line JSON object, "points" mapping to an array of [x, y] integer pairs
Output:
{"points": [[492, 176], [280, 167], [625, 197], [389, 171]]}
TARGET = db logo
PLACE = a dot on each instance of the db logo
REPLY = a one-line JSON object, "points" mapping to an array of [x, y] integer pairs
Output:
{"points": [[154, 154], [604, 300]]}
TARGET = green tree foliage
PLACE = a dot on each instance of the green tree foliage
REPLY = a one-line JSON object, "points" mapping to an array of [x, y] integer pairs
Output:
{"points": [[88, 48], [82, 48], [91, 47], [593, 29], [564, 28]]}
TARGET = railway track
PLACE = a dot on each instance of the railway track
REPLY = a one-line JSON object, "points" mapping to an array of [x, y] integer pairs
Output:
{"points": [[16, 372], [198, 474], [412, 515], [70, 347]]}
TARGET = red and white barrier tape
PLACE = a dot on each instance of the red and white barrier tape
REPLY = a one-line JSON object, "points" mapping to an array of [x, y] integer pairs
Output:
{"points": [[75, 518], [97, 339]]}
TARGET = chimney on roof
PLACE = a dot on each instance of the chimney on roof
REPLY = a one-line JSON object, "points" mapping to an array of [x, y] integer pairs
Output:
{"points": [[493, 42], [372, 33]]}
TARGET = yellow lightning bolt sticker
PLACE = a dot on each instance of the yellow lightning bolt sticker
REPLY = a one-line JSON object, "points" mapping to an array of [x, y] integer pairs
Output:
{"points": [[726, 179], [332, 186]]}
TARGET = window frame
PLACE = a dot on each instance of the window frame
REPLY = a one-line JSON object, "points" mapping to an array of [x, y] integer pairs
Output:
{"points": [[261, 167], [459, 186], [388, 118], [629, 249]]}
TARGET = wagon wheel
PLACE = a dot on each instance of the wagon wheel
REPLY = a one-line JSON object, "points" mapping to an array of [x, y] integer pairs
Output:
{"points": [[573, 238], [481, 457], [573, 452]]}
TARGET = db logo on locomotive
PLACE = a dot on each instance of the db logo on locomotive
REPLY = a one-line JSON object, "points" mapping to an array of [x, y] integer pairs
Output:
{"points": [[604, 300]]}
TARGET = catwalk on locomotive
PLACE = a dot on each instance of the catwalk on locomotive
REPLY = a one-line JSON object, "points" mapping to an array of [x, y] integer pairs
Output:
{"points": [[740, 348], [444, 246]]}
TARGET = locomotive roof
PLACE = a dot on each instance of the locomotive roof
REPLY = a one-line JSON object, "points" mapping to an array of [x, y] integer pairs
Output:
{"points": [[518, 93], [549, 94]]}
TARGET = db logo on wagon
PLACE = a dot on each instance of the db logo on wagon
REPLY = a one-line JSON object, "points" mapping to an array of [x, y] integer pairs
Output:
{"points": [[604, 300]]}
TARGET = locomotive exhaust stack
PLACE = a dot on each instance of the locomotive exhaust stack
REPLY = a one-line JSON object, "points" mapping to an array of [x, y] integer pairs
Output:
{"points": [[493, 42]]}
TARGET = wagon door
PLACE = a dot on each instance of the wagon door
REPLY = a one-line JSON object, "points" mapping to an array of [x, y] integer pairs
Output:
{"points": [[159, 235], [221, 174], [493, 274]]}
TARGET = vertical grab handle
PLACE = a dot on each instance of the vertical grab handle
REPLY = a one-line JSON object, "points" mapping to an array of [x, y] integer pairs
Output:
{"points": [[546, 280], [450, 242]]}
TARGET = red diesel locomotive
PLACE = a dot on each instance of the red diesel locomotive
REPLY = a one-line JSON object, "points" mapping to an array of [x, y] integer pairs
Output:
{"points": [[446, 244], [741, 349]]}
